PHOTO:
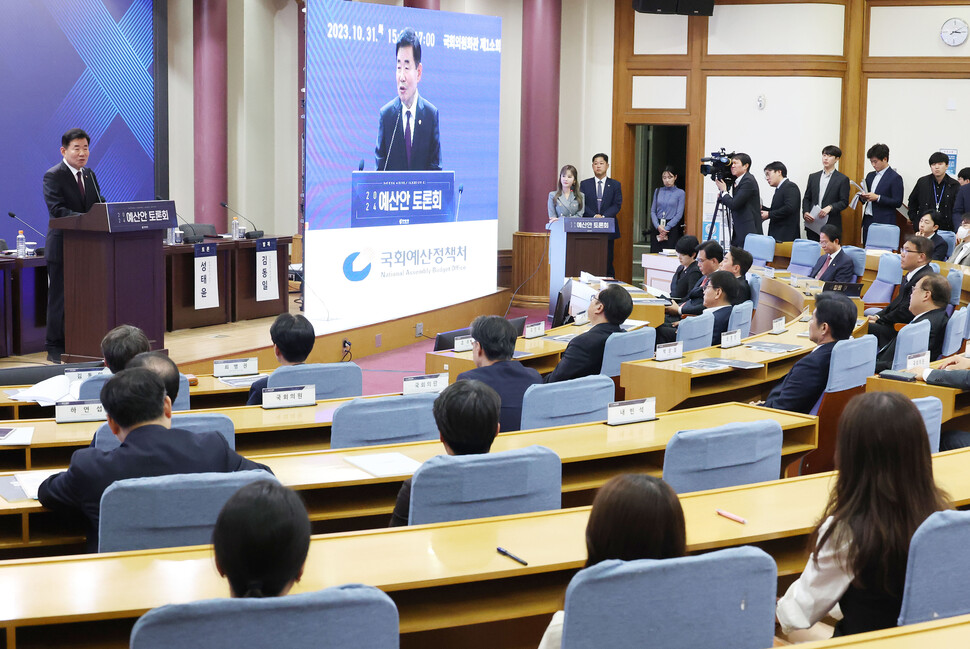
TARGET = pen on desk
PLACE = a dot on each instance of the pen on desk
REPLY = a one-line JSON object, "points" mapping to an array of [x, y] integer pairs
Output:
{"points": [[511, 556], [733, 517]]}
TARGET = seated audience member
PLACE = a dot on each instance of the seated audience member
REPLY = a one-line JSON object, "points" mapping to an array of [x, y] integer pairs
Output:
{"points": [[961, 251], [883, 491], [293, 339], [832, 321], [719, 296], [928, 302], [467, 414], [634, 516], [914, 258], [261, 539], [784, 211], [584, 354], [935, 191], [834, 265], [709, 257], [493, 343], [122, 344], [737, 261], [140, 416], [687, 274], [929, 224], [163, 366], [961, 206]]}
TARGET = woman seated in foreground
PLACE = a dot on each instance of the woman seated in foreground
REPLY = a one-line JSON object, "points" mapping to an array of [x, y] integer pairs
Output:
{"points": [[634, 516], [883, 491], [261, 539]]}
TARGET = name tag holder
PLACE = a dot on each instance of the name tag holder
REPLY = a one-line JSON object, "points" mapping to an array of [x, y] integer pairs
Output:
{"points": [[769, 272], [535, 330], [235, 367], [580, 319], [632, 411], [669, 351], [731, 339], [463, 343], [425, 383], [917, 360], [82, 373], [778, 326], [289, 397], [66, 412]]}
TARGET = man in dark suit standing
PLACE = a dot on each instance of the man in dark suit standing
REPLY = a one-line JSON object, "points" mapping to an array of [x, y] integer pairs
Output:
{"points": [[936, 191], [584, 354], [828, 190], [603, 199], [916, 254], [744, 200], [885, 190], [783, 213], [927, 301], [834, 265], [69, 189], [407, 135]]}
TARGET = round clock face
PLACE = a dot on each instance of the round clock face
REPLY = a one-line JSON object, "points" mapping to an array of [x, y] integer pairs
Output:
{"points": [[954, 32]]}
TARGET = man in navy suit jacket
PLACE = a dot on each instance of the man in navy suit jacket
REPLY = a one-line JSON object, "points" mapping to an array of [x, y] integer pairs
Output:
{"points": [[603, 198], [293, 339], [928, 302], [885, 190], [407, 135], [744, 200], [785, 203], [584, 354], [719, 295], [835, 196], [832, 321], [840, 266], [916, 254]]}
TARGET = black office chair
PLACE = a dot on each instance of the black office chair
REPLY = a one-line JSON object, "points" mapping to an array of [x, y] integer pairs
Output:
{"points": [[446, 339], [197, 232], [37, 373], [519, 324]]}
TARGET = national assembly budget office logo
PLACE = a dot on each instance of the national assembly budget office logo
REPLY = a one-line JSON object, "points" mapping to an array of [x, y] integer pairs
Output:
{"points": [[350, 272]]}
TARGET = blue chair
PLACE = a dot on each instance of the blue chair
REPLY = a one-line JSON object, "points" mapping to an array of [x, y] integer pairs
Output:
{"points": [[333, 380], [804, 254], [577, 401], [938, 569], [754, 281], [91, 389], [935, 267], [459, 487], [911, 339], [761, 247], [882, 236], [955, 278], [696, 332], [858, 256], [352, 615], [724, 456], [198, 423], [709, 601], [951, 241], [385, 420], [167, 511], [741, 318], [635, 345], [932, 410], [888, 277], [955, 328]]}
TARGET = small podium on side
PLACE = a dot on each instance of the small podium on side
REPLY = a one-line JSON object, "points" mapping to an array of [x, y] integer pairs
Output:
{"points": [[114, 273], [576, 244]]}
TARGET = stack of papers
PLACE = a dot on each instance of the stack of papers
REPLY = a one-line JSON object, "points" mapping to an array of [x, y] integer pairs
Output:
{"points": [[242, 381], [385, 465], [49, 391], [30, 481], [772, 348]]}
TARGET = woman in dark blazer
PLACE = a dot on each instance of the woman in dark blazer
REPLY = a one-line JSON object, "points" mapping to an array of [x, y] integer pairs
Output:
{"points": [[687, 274]]}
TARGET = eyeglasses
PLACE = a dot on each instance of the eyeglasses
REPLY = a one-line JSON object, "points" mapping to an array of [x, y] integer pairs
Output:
{"points": [[912, 252]]}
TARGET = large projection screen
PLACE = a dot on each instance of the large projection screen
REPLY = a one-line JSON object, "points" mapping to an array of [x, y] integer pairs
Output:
{"points": [[407, 223]]}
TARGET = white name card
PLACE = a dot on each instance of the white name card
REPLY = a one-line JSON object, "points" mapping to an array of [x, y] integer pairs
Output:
{"points": [[669, 351], [586, 278], [235, 367], [769, 272], [79, 374], [66, 412], [206, 276], [535, 330], [267, 284], [794, 281], [919, 359], [425, 383], [730, 339], [581, 319], [463, 343], [297, 395], [778, 325], [628, 412]]}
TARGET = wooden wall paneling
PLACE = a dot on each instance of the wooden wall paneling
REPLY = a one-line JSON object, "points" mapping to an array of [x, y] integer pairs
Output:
{"points": [[530, 269], [696, 127], [504, 270], [854, 96], [624, 140]]}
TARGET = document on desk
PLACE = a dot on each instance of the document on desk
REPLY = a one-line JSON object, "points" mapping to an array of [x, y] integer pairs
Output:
{"points": [[385, 465], [242, 381], [20, 436], [651, 301], [565, 338], [10, 489], [656, 292], [49, 391], [705, 365], [30, 481], [519, 354], [630, 325], [736, 363], [773, 348]]}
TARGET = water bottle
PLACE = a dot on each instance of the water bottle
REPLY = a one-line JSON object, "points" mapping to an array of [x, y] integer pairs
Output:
{"points": [[235, 227], [21, 244]]}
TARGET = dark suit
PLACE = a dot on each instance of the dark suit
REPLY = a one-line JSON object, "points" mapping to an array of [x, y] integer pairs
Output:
{"points": [[744, 201], [684, 280], [63, 198], [801, 388], [923, 199], [609, 208], [425, 140], [841, 269], [147, 451], [836, 196], [721, 319], [694, 303], [584, 354], [939, 247], [897, 310], [255, 397], [937, 319], [744, 291], [783, 215], [961, 205], [890, 191], [510, 379]]}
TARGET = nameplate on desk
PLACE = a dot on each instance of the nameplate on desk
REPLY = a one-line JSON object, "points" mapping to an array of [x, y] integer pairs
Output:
{"points": [[632, 411], [535, 330], [778, 326], [425, 383], [794, 281], [66, 412], [669, 351], [297, 395], [919, 359], [81, 373], [206, 276], [730, 339], [463, 343], [267, 286], [586, 278], [235, 367], [580, 319], [769, 272], [141, 215]]}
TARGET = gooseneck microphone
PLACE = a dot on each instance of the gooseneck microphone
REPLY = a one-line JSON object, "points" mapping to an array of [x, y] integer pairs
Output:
{"points": [[158, 197], [252, 234], [94, 180], [461, 188], [14, 216]]}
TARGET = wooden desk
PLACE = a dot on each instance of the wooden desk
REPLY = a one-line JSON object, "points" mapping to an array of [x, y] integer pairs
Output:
{"points": [[180, 294], [956, 402], [544, 354], [29, 305], [947, 632], [244, 304]]}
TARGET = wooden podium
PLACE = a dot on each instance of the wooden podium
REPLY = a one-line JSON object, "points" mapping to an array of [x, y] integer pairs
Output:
{"points": [[114, 273], [576, 244]]}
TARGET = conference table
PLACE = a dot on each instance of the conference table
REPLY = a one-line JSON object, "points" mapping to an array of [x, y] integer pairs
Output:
{"points": [[956, 402]]}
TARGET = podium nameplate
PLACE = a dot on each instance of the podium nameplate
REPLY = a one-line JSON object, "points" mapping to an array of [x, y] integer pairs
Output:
{"points": [[141, 215], [580, 224]]}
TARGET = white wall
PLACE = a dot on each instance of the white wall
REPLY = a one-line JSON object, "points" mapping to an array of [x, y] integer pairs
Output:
{"points": [[655, 34], [914, 31], [777, 29], [180, 110]]}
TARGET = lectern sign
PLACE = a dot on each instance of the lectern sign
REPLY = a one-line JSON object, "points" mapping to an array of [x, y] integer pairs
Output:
{"points": [[267, 288], [206, 277], [141, 215]]}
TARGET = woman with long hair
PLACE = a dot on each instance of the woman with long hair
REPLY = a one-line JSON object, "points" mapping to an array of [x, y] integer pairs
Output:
{"points": [[567, 200]]}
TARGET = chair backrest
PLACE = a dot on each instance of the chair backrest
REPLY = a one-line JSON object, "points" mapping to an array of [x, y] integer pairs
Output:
{"points": [[911, 339], [576, 401], [724, 456], [352, 615], [182, 400], [955, 328], [90, 387], [196, 422], [938, 569], [858, 257], [519, 324], [853, 361], [889, 275], [741, 318], [166, 511], [36, 373], [696, 332], [935, 267], [932, 410], [804, 254], [955, 277], [951, 240], [459, 487], [660, 603], [754, 281], [446, 339], [333, 380], [385, 420], [761, 247], [882, 236], [624, 346]]}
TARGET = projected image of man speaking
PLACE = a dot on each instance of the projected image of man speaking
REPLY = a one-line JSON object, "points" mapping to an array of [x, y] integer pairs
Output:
{"points": [[407, 135]]}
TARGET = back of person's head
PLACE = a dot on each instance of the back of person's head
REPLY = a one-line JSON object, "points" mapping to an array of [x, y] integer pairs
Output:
{"points": [[617, 303], [923, 245], [495, 335], [635, 516], [742, 259], [686, 245], [878, 151], [467, 414], [133, 397], [832, 150], [938, 157], [409, 38], [122, 344], [964, 174], [712, 250], [261, 539], [939, 289], [743, 158], [831, 232], [294, 336], [163, 366], [777, 165], [726, 282], [837, 311]]}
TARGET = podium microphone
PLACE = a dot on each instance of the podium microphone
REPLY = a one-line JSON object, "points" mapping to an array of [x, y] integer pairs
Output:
{"points": [[252, 234], [461, 188], [360, 165], [14, 216], [90, 174], [159, 198]]}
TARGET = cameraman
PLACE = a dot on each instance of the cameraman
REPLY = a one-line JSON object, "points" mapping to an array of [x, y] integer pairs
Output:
{"points": [[744, 200]]}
